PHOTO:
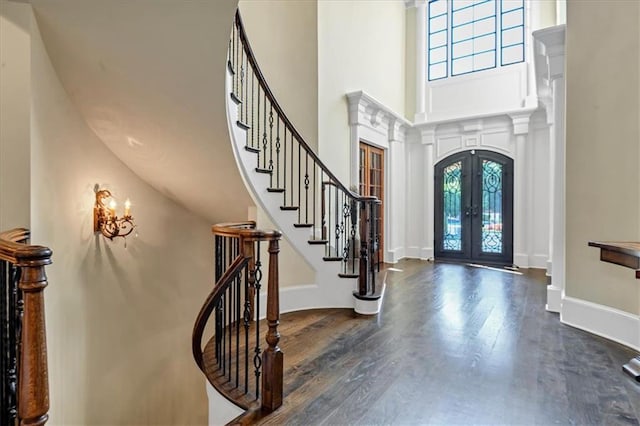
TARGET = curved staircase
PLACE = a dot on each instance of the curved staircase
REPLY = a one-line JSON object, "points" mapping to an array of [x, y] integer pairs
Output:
{"points": [[333, 228]]}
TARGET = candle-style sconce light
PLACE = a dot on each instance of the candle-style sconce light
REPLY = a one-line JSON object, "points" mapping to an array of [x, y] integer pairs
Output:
{"points": [[105, 219]]}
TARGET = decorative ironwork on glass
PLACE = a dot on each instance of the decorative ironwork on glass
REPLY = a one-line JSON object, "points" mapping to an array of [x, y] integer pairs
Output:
{"points": [[492, 174], [452, 201]]}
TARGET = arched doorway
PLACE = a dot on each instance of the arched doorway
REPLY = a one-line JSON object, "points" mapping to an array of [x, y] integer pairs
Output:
{"points": [[474, 208]]}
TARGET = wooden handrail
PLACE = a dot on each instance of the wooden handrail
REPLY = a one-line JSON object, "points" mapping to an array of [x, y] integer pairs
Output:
{"points": [[210, 302], [246, 240], [33, 381]]}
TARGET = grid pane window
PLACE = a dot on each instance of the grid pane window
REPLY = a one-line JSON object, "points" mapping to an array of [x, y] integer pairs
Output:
{"points": [[465, 36], [512, 31], [438, 39], [473, 27]]}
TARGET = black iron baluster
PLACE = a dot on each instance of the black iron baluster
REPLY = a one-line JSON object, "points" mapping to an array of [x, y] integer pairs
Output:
{"points": [[337, 223], [292, 187], [299, 181], [277, 152], [354, 226], [258, 124], [264, 131], [270, 142], [284, 168], [237, 326], [247, 319], [323, 224], [5, 355], [343, 219], [306, 188], [15, 310], [257, 359], [253, 111], [313, 217]]}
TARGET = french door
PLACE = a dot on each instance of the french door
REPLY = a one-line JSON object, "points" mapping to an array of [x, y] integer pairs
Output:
{"points": [[474, 208], [372, 183]]}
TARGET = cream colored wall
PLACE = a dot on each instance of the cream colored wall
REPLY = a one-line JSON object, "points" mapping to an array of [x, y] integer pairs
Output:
{"points": [[293, 268], [603, 147], [360, 47], [15, 90], [119, 319], [283, 35]]}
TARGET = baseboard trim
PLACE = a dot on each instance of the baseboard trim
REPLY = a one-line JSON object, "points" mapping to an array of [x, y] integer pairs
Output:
{"points": [[610, 323], [554, 299]]}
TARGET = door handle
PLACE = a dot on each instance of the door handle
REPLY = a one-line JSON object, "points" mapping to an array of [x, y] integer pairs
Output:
{"points": [[474, 210]]}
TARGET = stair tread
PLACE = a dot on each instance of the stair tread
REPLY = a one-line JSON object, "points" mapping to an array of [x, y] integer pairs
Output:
{"points": [[341, 275], [252, 149], [291, 208], [303, 225], [275, 189], [333, 259], [261, 170], [242, 125], [235, 98], [318, 241]]}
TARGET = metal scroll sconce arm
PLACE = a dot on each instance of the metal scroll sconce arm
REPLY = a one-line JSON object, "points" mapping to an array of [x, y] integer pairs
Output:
{"points": [[107, 222]]}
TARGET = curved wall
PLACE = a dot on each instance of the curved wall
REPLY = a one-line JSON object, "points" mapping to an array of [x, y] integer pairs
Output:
{"points": [[148, 78]]}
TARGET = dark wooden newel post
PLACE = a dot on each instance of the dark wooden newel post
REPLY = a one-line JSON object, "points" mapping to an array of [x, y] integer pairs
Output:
{"points": [[33, 386], [272, 357]]}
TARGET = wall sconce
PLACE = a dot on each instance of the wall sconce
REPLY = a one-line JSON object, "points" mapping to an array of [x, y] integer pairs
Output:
{"points": [[105, 220]]}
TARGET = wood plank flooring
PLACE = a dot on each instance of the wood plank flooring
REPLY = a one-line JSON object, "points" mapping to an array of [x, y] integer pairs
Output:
{"points": [[452, 345]]}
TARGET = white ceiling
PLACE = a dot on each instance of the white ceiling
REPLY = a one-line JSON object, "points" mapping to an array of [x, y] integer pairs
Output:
{"points": [[148, 77]]}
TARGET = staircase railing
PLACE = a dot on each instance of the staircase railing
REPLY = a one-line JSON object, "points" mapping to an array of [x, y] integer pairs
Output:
{"points": [[236, 356], [24, 391], [344, 221]]}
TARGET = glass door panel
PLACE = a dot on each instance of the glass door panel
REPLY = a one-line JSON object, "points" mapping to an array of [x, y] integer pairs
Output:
{"points": [[474, 208]]}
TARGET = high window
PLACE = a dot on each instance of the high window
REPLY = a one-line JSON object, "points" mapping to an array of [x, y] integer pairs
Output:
{"points": [[465, 36]]}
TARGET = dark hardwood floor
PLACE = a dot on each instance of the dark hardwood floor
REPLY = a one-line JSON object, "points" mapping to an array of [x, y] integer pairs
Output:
{"points": [[452, 345]]}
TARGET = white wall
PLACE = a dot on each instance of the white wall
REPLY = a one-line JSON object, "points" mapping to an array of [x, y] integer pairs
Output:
{"points": [[15, 88], [603, 148], [119, 319], [360, 47]]}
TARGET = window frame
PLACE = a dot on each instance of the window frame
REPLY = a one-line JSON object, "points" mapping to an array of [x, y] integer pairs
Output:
{"points": [[498, 34]]}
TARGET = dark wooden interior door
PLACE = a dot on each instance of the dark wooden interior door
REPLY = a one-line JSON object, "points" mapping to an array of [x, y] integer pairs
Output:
{"points": [[372, 183], [474, 208]]}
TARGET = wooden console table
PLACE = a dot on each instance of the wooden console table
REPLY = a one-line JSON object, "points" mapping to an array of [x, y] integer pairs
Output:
{"points": [[624, 254]]}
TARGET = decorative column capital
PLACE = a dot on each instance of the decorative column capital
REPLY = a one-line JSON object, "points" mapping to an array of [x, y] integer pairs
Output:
{"points": [[428, 135], [520, 123], [551, 46]]}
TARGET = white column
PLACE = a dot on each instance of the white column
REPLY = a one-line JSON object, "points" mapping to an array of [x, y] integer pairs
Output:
{"points": [[421, 61], [552, 42], [555, 292], [521, 194], [428, 140], [552, 180], [395, 197]]}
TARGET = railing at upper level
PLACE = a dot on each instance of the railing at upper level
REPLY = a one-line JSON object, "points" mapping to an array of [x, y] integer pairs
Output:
{"points": [[344, 221], [233, 360], [24, 391]]}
